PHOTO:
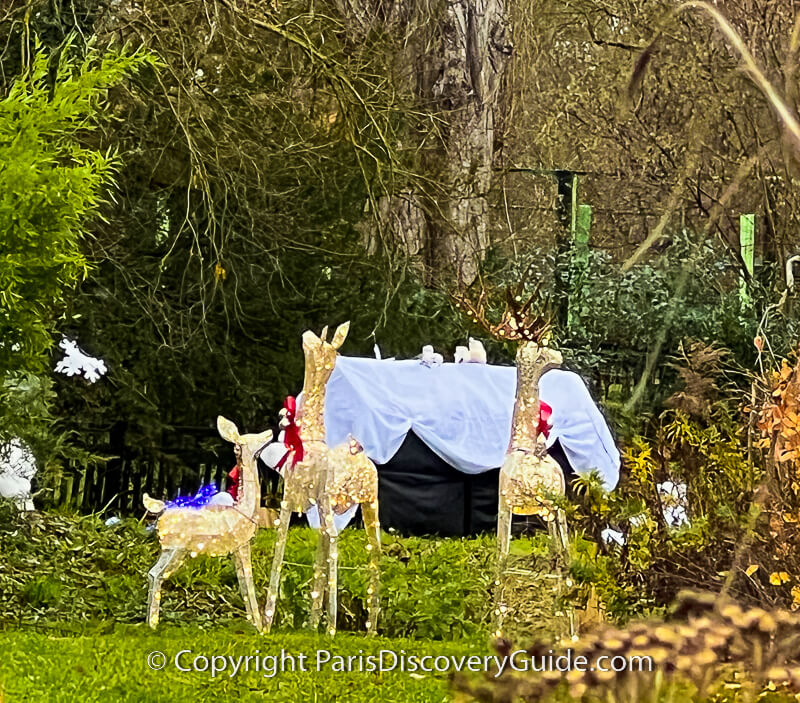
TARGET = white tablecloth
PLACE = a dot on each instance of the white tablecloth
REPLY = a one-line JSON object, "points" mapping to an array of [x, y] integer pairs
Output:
{"points": [[461, 411]]}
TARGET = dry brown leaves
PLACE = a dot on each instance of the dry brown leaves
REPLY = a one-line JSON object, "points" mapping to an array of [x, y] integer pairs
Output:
{"points": [[779, 418]]}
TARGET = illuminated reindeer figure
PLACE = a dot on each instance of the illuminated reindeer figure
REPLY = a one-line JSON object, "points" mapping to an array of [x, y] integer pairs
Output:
{"points": [[530, 480], [332, 478], [213, 529]]}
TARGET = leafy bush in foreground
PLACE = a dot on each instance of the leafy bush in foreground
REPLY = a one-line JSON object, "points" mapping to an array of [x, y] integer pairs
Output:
{"points": [[51, 186]]}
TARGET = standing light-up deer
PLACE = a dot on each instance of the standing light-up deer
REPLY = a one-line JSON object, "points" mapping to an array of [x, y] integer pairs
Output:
{"points": [[332, 478], [530, 480], [214, 529]]}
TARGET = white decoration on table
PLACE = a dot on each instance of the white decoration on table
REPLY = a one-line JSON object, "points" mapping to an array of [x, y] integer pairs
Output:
{"points": [[477, 353], [473, 354], [430, 357], [378, 356], [78, 363]]}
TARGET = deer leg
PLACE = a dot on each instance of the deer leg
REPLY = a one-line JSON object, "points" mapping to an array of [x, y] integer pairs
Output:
{"points": [[560, 545], [166, 565], [373, 528], [562, 534], [326, 523], [503, 545], [244, 572], [318, 584], [277, 563]]}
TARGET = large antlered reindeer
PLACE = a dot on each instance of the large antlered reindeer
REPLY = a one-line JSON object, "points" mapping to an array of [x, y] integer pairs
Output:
{"points": [[530, 480], [332, 478]]}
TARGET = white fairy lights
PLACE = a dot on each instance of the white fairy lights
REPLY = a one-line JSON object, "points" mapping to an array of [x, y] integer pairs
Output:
{"points": [[330, 479], [216, 530]]}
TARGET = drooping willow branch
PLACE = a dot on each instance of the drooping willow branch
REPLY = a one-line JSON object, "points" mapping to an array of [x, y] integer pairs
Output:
{"points": [[785, 114]]}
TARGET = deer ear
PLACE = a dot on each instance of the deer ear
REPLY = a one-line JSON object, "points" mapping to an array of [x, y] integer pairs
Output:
{"points": [[227, 429], [264, 437], [324, 336], [340, 335]]}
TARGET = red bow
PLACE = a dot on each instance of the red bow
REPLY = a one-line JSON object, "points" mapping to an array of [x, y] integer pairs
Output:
{"points": [[545, 413], [233, 489], [291, 434]]}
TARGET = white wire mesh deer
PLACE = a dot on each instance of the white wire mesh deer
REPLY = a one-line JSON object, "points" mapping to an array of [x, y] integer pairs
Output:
{"points": [[214, 529], [333, 479]]}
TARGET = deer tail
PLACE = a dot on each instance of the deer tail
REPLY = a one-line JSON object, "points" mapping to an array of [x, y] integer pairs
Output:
{"points": [[152, 505]]}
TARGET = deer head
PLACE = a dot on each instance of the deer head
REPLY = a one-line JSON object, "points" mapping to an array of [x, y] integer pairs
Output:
{"points": [[320, 354], [521, 322], [247, 446]]}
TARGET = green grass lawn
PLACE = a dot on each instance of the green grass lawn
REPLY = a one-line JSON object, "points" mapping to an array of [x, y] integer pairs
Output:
{"points": [[66, 569], [73, 595], [113, 666], [72, 604]]}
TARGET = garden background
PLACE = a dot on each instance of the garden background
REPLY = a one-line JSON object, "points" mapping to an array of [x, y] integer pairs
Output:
{"points": [[185, 187]]}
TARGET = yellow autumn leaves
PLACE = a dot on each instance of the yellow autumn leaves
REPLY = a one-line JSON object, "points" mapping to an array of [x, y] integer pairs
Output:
{"points": [[776, 578], [779, 578], [779, 419]]}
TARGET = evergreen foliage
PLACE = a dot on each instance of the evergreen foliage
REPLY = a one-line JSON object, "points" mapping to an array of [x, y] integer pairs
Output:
{"points": [[51, 186]]}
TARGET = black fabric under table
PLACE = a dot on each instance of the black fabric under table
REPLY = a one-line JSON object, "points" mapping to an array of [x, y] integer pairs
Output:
{"points": [[419, 493]]}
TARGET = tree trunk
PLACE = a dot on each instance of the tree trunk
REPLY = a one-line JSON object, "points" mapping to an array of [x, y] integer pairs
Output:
{"points": [[457, 67]]}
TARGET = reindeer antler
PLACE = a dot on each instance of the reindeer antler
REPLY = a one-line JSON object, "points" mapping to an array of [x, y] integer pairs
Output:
{"points": [[517, 322], [475, 311]]}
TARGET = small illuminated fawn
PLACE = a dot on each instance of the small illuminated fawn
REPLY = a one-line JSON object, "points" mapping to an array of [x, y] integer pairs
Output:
{"points": [[217, 530]]}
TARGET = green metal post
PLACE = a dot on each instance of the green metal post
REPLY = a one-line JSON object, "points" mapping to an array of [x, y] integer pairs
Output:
{"points": [[580, 238], [582, 225], [574, 208], [747, 242]]}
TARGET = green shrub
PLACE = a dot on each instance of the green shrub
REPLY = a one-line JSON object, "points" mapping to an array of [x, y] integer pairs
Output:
{"points": [[42, 592], [658, 559], [51, 186]]}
